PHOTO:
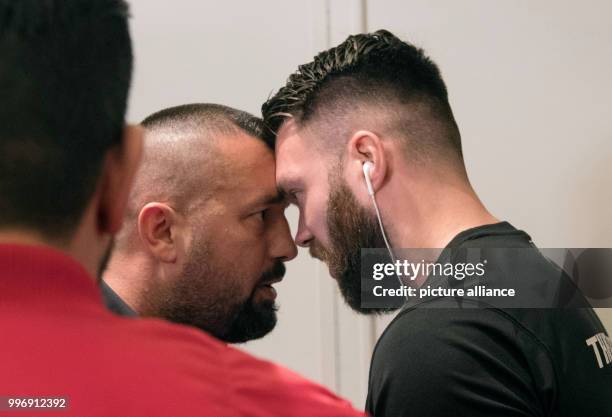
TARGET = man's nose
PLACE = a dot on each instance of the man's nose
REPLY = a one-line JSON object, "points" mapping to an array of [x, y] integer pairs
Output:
{"points": [[283, 248], [290, 250], [303, 237]]}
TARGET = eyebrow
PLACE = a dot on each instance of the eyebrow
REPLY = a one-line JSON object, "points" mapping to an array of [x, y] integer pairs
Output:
{"points": [[285, 187], [285, 184], [270, 199]]}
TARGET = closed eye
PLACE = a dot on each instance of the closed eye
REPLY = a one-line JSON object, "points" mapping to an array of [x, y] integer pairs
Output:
{"points": [[259, 214], [294, 196]]}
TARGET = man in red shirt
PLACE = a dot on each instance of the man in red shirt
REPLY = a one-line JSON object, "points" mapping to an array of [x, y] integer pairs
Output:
{"points": [[66, 165]]}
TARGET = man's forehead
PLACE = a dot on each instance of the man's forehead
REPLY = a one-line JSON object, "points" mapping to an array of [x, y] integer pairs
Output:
{"points": [[249, 168], [241, 150], [290, 150], [287, 129]]}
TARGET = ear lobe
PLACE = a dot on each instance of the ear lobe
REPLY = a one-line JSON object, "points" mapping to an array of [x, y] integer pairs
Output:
{"points": [[118, 171], [156, 224]]}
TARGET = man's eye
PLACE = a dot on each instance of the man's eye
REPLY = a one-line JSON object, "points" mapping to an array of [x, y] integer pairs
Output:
{"points": [[259, 215], [294, 197]]}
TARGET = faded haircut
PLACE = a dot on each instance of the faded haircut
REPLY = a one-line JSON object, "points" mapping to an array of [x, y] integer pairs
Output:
{"points": [[213, 117], [181, 162], [375, 77]]}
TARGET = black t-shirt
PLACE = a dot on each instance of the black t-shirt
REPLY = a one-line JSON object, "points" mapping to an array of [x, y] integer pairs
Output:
{"points": [[473, 362]]}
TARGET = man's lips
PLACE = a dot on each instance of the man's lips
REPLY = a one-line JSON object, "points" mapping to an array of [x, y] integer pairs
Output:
{"points": [[267, 288]]}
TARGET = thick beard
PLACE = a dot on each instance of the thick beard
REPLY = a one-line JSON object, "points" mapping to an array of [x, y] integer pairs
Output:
{"points": [[254, 320], [351, 228], [223, 314]]}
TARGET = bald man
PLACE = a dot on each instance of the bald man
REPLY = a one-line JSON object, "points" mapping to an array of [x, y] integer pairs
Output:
{"points": [[205, 236]]}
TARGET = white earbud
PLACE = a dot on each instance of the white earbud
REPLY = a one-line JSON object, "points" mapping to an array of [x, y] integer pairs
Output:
{"points": [[366, 173], [367, 166]]}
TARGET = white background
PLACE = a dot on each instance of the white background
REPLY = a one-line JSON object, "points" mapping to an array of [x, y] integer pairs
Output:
{"points": [[529, 82]]}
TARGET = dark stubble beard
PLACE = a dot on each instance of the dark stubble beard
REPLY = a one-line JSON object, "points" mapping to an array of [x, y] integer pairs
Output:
{"points": [[351, 228], [224, 314]]}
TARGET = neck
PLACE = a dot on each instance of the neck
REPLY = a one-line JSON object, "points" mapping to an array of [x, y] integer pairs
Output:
{"points": [[431, 210], [21, 237], [76, 249]]}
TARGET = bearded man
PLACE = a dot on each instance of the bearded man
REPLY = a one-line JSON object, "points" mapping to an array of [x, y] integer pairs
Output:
{"points": [[365, 134], [205, 235]]}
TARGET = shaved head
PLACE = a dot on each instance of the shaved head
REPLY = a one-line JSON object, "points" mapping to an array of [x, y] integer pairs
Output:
{"points": [[179, 141], [205, 235]]}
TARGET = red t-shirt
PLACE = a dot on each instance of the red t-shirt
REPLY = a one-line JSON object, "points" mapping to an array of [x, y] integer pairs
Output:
{"points": [[58, 340]]}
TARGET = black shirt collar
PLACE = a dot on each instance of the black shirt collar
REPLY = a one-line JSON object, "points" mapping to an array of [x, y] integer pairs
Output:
{"points": [[114, 303], [495, 229]]}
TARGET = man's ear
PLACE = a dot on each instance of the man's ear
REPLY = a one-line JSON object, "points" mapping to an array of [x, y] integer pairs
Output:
{"points": [[118, 171], [157, 228], [362, 147]]}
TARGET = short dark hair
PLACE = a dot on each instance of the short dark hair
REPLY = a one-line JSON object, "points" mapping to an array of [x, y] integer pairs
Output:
{"points": [[213, 116], [375, 68], [65, 70], [178, 140]]}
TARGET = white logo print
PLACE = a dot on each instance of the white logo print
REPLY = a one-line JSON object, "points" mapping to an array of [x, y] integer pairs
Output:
{"points": [[602, 347]]}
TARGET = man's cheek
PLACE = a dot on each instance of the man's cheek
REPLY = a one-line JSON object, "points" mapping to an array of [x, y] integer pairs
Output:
{"points": [[317, 224]]}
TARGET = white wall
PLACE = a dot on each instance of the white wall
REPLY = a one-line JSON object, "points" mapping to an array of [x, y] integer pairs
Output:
{"points": [[529, 83]]}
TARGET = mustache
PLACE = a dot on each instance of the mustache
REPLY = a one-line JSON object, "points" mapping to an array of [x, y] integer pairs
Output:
{"points": [[318, 252], [278, 270]]}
